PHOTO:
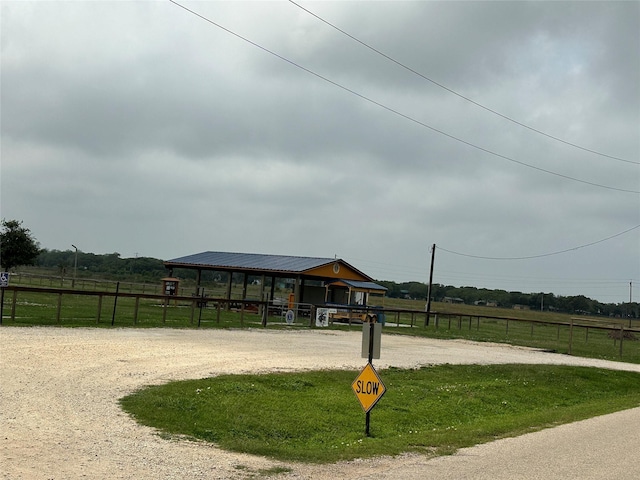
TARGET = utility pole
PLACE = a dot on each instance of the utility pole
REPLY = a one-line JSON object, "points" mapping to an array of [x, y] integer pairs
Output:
{"points": [[630, 306], [433, 256], [75, 267]]}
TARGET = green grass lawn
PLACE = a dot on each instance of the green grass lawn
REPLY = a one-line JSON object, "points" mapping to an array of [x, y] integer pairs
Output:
{"points": [[315, 416], [34, 308]]}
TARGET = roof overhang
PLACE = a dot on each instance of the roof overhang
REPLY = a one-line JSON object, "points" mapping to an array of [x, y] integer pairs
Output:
{"points": [[358, 285]]}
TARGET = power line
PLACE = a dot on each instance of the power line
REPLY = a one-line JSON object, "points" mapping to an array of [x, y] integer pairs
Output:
{"points": [[398, 113], [542, 255], [605, 282], [417, 273], [444, 87]]}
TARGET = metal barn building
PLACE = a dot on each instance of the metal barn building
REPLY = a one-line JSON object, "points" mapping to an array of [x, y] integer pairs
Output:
{"points": [[315, 281]]}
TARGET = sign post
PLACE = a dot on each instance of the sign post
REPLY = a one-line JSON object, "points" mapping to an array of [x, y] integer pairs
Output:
{"points": [[371, 335], [368, 386]]}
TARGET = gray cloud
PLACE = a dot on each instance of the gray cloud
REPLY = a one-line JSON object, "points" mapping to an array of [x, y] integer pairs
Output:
{"points": [[140, 128]]}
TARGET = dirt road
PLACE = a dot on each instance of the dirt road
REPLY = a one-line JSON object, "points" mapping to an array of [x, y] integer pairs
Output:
{"points": [[59, 414]]}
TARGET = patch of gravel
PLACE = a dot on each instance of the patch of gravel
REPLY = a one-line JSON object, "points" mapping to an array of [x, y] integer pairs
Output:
{"points": [[60, 418]]}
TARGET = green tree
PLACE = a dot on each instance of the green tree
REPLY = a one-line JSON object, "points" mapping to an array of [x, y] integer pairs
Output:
{"points": [[17, 245]]}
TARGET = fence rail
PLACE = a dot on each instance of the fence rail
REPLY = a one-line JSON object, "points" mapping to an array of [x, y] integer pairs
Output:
{"points": [[136, 308], [81, 283], [196, 303]]}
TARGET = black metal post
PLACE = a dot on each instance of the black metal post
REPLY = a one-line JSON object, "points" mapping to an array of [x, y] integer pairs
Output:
{"points": [[371, 343], [368, 414], [1, 304], [115, 304], [428, 308], [201, 305], [367, 423]]}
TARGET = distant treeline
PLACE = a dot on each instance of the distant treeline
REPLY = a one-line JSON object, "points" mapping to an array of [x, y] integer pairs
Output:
{"points": [[112, 266], [578, 304], [109, 265]]}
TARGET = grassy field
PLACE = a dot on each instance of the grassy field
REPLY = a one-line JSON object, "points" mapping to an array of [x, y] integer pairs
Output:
{"points": [[561, 338], [315, 417], [544, 330], [87, 311]]}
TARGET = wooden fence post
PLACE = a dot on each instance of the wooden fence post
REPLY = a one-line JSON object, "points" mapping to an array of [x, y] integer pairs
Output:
{"points": [[14, 300], [135, 311], [570, 335], [59, 307], [164, 310], [265, 312], [99, 308], [312, 316]]}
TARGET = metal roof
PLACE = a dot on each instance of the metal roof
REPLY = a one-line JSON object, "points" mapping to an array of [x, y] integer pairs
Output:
{"points": [[362, 285], [251, 261]]}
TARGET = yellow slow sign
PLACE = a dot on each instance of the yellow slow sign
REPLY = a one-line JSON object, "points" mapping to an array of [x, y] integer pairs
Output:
{"points": [[368, 387]]}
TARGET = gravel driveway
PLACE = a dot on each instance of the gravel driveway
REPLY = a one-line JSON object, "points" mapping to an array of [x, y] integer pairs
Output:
{"points": [[60, 419]]}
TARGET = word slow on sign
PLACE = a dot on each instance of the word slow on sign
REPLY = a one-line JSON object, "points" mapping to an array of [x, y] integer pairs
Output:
{"points": [[367, 388]]}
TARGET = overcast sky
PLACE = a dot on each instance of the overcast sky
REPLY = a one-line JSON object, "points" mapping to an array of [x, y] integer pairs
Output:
{"points": [[141, 128]]}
